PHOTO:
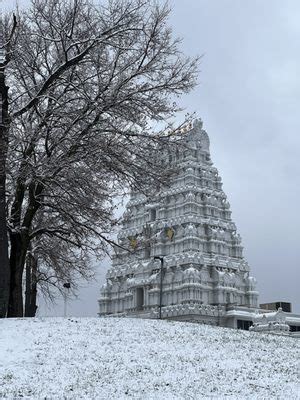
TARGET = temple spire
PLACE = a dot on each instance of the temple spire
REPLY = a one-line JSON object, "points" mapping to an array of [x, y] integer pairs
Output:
{"points": [[189, 227]]}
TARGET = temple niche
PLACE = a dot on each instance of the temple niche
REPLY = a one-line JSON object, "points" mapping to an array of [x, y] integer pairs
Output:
{"points": [[186, 258]]}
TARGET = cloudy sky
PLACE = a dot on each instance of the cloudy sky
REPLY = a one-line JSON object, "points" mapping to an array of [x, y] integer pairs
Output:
{"points": [[248, 98]]}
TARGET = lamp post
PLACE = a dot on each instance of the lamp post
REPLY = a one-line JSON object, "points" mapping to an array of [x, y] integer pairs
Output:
{"points": [[67, 287], [161, 282]]}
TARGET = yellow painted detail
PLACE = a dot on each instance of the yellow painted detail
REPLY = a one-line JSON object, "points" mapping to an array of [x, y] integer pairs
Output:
{"points": [[170, 233], [133, 241]]}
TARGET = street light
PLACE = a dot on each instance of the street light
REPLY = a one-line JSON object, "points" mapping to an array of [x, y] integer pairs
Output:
{"points": [[161, 281], [67, 287]]}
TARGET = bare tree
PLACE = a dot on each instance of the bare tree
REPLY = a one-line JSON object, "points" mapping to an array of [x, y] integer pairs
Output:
{"points": [[87, 84], [5, 55], [4, 266]]}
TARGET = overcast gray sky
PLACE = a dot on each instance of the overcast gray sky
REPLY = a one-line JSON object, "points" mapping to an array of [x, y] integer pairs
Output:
{"points": [[248, 97]]}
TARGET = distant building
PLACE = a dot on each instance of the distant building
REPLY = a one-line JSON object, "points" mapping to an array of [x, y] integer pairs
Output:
{"points": [[186, 259], [287, 307]]}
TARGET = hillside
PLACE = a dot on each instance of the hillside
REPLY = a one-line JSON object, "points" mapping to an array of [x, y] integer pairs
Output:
{"points": [[129, 358]]}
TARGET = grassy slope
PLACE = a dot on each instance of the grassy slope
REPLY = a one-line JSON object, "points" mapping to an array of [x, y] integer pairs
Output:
{"points": [[131, 358]]}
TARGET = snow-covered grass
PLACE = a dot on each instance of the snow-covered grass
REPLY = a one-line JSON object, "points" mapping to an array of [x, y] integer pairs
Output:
{"points": [[131, 358]]}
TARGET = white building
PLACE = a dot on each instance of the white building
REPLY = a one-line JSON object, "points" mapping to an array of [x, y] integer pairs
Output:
{"points": [[199, 273]]}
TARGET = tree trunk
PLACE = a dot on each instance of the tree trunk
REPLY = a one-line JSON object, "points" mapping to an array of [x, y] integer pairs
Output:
{"points": [[31, 286], [17, 262], [4, 261], [20, 242], [28, 285]]}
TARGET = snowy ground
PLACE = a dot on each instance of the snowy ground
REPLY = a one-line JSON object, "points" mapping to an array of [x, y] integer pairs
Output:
{"points": [[93, 358]]}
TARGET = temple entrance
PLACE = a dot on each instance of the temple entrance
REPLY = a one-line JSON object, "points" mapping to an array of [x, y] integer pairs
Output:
{"points": [[243, 324], [139, 298]]}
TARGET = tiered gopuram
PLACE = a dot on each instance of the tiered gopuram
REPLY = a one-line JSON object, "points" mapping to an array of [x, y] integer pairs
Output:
{"points": [[185, 258]]}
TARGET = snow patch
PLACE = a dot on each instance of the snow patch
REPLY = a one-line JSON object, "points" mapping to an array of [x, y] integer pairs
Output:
{"points": [[118, 358]]}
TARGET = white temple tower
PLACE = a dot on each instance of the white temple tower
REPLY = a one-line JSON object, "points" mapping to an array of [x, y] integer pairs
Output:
{"points": [[188, 225]]}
